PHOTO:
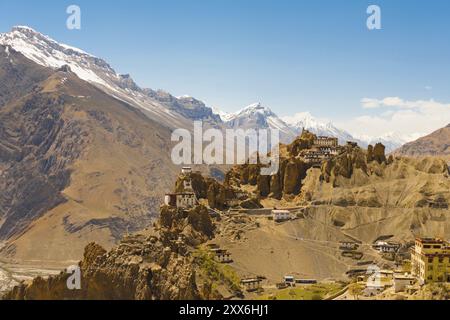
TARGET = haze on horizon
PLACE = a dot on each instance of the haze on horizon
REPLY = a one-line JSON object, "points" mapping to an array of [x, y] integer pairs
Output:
{"points": [[291, 56]]}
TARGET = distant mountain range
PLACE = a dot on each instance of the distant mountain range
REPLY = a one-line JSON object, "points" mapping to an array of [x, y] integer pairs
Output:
{"points": [[259, 116], [174, 112]]}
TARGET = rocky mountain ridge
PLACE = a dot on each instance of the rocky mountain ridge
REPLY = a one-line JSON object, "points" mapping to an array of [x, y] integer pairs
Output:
{"points": [[435, 144]]}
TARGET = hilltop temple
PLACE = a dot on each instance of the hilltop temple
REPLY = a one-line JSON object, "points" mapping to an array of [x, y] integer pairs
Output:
{"points": [[183, 200], [324, 148]]}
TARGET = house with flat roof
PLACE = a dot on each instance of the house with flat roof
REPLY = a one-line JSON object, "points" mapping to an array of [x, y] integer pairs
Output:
{"points": [[403, 281]]}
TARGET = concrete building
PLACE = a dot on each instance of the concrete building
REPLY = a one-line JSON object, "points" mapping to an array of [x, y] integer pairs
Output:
{"points": [[430, 260]]}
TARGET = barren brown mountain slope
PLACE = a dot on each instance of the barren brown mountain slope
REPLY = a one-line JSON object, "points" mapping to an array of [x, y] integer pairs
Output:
{"points": [[435, 144], [76, 165]]}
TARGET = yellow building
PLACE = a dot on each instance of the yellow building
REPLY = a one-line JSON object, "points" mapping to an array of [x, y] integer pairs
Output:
{"points": [[430, 260]]}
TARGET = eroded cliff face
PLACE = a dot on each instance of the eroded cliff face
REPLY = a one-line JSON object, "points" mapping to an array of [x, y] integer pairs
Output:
{"points": [[157, 265], [345, 164], [287, 182]]}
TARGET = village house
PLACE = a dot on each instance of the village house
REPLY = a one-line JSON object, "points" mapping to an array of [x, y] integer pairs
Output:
{"points": [[281, 215], [289, 280], [402, 282], [386, 274], [374, 288], [223, 256], [251, 284], [348, 246], [386, 247], [430, 260], [376, 284]]}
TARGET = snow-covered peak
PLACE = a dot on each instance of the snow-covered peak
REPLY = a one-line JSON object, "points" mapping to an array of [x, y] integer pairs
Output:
{"points": [[304, 120], [23, 28], [24, 32], [255, 108], [49, 53], [390, 140], [257, 116], [224, 116]]}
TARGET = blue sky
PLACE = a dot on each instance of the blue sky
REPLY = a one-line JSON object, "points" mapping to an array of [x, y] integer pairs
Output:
{"points": [[292, 56]]}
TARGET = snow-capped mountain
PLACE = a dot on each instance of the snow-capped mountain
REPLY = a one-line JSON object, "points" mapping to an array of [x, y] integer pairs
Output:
{"points": [[305, 120], [391, 141], [157, 105], [256, 116]]}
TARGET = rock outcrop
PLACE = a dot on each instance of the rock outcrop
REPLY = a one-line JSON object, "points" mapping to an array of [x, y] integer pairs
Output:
{"points": [[139, 268], [155, 266], [377, 153], [345, 164], [217, 194], [287, 181]]}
